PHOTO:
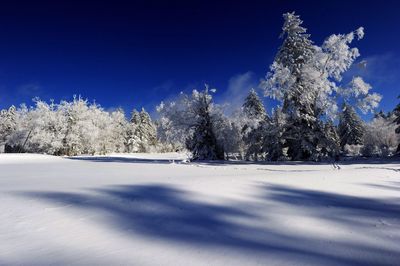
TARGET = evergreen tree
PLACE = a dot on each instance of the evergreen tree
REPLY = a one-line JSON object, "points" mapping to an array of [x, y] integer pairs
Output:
{"points": [[119, 131], [196, 120], [306, 79], [396, 112], [203, 142], [303, 133], [253, 108], [274, 143], [332, 146], [142, 133], [351, 127], [146, 131], [8, 125], [254, 128], [135, 117]]}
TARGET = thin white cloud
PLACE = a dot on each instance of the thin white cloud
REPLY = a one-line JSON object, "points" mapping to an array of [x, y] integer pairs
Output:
{"points": [[380, 69], [237, 90], [30, 89]]}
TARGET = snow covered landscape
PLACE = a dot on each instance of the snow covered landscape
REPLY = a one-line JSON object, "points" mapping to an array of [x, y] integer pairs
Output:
{"points": [[157, 209], [229, 133]]}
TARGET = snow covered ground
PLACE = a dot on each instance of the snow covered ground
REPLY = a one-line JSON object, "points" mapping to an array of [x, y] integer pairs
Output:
{"points": [[155, 210]]}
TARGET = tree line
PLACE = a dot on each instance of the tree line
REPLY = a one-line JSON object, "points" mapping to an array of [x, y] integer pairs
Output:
{"points": [[316, 117]]}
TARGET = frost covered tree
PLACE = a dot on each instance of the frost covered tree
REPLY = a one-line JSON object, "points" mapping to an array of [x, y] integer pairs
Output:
{"points": [[8, 124], [289, 82], [380, 138], [253, 107], [81, 132], [44, 128], [112, 131], [307, 79], [192, 118], [133, 143], [142, 132], [351, 127], [228, 131], [146, 131], [119, 131], [73, 128], [256, 122], [274, 143], [332, 146], [396, 113]]}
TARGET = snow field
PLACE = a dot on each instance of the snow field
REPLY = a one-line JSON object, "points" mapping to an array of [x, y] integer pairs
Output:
{"points": [[152, 209]]}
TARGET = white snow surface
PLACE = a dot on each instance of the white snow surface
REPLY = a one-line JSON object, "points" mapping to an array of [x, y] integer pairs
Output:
{"points": [[154, 209]]}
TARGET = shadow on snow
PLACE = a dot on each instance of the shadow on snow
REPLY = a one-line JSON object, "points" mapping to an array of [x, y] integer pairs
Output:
{"points": [[121, 159], [167, 213]]}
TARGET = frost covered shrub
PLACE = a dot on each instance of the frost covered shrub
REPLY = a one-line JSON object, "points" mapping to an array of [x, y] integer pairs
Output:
{"points": [[352, 150], [380, 137]]}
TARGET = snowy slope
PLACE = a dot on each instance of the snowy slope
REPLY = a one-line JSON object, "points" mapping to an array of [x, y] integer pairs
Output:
{"points": [[155, 210]]}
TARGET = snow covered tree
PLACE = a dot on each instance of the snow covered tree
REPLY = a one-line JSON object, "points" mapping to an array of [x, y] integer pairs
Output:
{"points": [[81, 134], [8, 125], [303, 131], [274, 143], [203, 142], [142, 132], [73, 128], [133, 142], [253, 107], [332, 146], [306, 78], [396, 112], [380, 138], [192, 118], [45, 126], [146, 131], [135, 117], [228, 131], [351, 127], [256, 121], [119, 130]]}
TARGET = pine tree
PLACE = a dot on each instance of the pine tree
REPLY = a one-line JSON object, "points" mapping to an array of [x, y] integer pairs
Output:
{"points": [[253, 108], [396, 112], [147, 131], [254, 129], [203, 142], [135, 117], [332, 146], [133, 142], [141, 132], [194, 120], [274, 143], [306, 79], [8, 125], [351, 127], [303, 132], [296, 51], [118, 134]]}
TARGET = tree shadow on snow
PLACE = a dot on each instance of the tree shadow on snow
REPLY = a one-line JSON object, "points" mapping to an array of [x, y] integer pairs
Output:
{"points": [[391, 185], [170, 214], [344, 209], [360, 161], [112, 159]]}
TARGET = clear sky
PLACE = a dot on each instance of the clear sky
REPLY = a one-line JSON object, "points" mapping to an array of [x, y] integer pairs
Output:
{"points": [[136, 53]]}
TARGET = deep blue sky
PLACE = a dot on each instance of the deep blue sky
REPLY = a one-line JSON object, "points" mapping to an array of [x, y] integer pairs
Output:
{"points": [[136, 53]]}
